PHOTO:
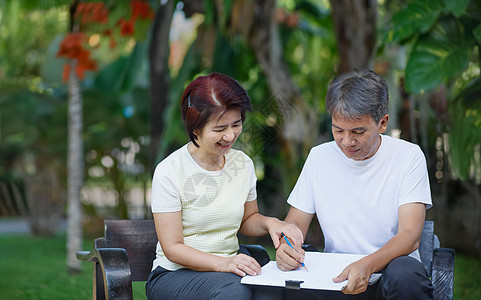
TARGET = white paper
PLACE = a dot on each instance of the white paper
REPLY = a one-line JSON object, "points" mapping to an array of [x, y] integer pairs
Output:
{"points": [[323, 267]]}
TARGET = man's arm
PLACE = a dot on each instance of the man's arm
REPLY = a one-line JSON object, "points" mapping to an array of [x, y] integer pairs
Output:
{"points": [[410, 228], [286, 257]]}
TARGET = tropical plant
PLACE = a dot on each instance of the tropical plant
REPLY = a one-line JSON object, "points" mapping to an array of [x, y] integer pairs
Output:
{"points": [[443, 64], [32, 125]]}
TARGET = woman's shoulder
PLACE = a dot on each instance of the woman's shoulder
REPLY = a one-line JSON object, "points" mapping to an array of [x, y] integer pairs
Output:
{"points": [[238, 159], [173, 159], [235, 154]]}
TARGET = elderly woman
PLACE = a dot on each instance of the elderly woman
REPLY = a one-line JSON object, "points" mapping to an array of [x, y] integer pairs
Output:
{"points": [[203, 194]]}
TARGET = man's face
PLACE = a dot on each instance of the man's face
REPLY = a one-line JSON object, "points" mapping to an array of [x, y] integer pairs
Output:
{"points": [[358, 139]]}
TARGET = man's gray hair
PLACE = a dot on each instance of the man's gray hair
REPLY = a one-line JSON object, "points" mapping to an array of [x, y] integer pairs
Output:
{"points": [[356, 94]]}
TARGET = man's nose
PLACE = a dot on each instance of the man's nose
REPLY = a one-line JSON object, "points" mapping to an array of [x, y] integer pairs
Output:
{"points": [[348, 140]]}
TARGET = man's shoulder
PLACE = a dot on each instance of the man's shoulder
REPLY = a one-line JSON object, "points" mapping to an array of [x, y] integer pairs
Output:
{"points": [[323, 148], [324, 153], [403, 150], [400, 144]]}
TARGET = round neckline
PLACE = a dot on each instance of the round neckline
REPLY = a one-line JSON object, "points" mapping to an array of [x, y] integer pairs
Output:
{"points": [[368, 161], [217, 172]]}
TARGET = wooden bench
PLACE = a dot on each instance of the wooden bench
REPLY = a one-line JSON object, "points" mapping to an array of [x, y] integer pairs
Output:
{"points": [[126, 252]]}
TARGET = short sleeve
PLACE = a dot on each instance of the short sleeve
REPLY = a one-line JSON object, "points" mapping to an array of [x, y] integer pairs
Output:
{"points": [[165, 195], [415, 184], [302, 196], [252, 179]]}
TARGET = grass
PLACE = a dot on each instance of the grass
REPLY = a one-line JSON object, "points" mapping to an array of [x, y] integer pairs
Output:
{"points": [[34, 268], [467, 278]]}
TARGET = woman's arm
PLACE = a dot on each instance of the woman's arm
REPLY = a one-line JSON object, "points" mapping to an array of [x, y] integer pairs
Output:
{"points": [[255, 224], [169, 232], [287, 258]]}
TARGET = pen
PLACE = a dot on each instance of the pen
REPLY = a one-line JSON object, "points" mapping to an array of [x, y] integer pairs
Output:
{"points": [[288, 243]]}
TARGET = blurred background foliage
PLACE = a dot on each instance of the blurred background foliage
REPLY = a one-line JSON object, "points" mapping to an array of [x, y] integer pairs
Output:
{"points": [[283, 52]]}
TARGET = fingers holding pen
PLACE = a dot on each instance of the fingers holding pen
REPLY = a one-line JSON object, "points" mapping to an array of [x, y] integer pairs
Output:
{"points": [[288, 258]]}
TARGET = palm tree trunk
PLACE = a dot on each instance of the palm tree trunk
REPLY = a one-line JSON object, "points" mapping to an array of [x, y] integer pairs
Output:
{"points": [[75, 170]]}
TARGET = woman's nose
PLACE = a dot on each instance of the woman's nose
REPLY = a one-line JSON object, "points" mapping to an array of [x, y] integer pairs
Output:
{"points": [[229, 134]]}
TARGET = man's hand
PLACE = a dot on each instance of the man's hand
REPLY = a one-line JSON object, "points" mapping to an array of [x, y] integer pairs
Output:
{"points": [[357, 274], [288, 259]]}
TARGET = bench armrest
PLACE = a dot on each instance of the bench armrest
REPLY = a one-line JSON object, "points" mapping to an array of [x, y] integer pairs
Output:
{"points": [[259, 253], [111, 271], [443, 273]]}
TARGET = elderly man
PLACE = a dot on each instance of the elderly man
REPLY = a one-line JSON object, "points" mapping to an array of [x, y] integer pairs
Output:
{"points": [[370, 193]]}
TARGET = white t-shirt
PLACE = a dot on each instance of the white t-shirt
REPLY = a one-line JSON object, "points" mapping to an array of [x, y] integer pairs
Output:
{"points": [[357, 202], [212, 202]]}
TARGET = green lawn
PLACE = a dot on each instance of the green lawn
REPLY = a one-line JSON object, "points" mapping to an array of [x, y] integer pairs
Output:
{"points": [[34, 268]]}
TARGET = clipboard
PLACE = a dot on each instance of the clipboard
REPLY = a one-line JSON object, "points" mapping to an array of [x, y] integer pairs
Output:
{"points": [[322, 268]]}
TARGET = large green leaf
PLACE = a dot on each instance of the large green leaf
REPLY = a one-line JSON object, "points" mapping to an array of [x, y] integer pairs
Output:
{"points": [[124, 73], [418, 17], [174, 134], [51, 70], [464, 141], [477, 34], [438, 56], [457, 7], [471, 95]]}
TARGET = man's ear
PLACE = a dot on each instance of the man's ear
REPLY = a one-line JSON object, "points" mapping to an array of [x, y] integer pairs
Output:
{"points": [[383, 123]]}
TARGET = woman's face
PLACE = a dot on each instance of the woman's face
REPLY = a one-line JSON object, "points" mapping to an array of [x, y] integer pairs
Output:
{"points": [[218, 135]]}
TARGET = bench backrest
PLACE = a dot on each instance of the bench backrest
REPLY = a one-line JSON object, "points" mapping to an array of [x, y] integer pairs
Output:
{"points": [[429, 241], [139, 239]]}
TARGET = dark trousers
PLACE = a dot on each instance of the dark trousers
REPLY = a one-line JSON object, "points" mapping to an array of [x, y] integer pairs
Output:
{"points": [[189, 284], [403, 278]]}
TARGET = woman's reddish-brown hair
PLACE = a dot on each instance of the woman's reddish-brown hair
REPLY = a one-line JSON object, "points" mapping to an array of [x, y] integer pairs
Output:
{"points": [[211, 96]]}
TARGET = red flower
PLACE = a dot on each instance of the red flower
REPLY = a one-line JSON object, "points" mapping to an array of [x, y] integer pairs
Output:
{"points": [[126, 27], [112, 43], [141, 9], [92, 12], [71, 47], [66, 72]]}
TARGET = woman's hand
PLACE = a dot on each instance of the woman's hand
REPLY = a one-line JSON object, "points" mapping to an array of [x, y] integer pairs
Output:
{"points": [[291, 231], [241, 265]]}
